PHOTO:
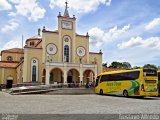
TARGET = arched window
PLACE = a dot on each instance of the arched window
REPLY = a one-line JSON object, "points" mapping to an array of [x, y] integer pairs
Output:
{"points": [[66, 48], [66, 52], [34, 73], [9, 58], [34, 70]]}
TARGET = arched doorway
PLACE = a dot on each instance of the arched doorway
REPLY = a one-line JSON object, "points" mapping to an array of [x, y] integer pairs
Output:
{"points": [[9, 82], [44, 76], [88, 76], [73, 76], [56, 76]]}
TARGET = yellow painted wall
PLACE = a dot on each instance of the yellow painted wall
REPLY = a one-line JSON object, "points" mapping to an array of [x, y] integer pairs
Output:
{"points": [[15, 56], [20, 73], [29, 54], [39, 45], [5, 73], [83, 42], [70, 33], [29, 41], [50, 38], [98, 60]]}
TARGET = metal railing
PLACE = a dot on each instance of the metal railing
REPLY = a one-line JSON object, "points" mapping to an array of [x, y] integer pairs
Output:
{"points": [[61, 64]]}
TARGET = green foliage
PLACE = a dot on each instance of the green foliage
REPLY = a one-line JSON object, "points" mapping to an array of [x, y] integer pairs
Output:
{"points": [[136, 67], [125, 65], [105, 64]]}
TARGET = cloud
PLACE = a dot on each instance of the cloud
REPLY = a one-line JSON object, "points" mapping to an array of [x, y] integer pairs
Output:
{"points": [[80, 6], [12, 14], [11, 44], [152, 42], [4, 5], [11, 26], [29, 9], [107, 2], [15, 1], [154, 23], [98, 37]]}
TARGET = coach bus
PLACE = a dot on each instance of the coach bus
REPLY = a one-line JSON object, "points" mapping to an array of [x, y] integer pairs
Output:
{"points": [[137, 82], [159, 81]]}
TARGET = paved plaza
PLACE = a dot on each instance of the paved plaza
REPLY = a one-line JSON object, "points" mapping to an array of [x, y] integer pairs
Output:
{"points": [[76, 104]]}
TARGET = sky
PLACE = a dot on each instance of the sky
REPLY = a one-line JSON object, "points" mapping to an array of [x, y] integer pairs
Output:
{"points": [[125, 30]]}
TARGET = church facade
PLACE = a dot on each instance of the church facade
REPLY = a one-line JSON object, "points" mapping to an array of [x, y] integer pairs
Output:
{"points": [[60, 56]]}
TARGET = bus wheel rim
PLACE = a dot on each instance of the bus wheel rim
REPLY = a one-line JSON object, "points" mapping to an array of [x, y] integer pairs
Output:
{"points": [[125, 93], [101, 92]]}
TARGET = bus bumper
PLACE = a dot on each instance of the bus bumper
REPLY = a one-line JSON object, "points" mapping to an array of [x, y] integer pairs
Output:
{"points": [[151, 94]]}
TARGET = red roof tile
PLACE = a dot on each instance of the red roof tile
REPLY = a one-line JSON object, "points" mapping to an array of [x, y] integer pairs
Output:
{"points": [[111, 69], [37, 37], [14, 50], [5, 64]]}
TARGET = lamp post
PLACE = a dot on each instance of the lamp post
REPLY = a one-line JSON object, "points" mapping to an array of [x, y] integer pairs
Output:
{"points": [[80, 60]]}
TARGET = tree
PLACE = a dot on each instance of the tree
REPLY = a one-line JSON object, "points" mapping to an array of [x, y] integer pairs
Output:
{"points": [[105, 64], [115, 65], [150, 66], [125, 65], [136, 67]]}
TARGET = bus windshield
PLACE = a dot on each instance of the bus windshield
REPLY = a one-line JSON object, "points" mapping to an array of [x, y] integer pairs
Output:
{"points": [[149, 72], [97, 80]]}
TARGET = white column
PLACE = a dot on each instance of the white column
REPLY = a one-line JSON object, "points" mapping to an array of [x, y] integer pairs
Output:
{"points": [[47, 75], [65, 73], [81, 74], [65, 77]]}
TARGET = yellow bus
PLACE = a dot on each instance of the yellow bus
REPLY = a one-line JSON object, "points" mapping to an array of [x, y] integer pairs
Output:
{"points": [[138, 82], [159, 81]]}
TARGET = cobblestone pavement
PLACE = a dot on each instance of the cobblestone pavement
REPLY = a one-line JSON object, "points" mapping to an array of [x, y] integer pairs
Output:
{"points": [[76, 104]]}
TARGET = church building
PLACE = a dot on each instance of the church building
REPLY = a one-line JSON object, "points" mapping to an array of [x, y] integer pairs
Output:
{"points": [[60, 56]]}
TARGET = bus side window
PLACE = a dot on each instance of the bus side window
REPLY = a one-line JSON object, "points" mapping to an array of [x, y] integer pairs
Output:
{"points": [[159, 76], [104, 78]]}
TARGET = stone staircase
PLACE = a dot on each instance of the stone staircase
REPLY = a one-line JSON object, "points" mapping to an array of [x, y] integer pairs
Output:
{"points": [[50, 90], [71, 91]]}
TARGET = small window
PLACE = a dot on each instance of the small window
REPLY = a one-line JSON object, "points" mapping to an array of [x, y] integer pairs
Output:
{"points": [[9, 58], [31, 43]]}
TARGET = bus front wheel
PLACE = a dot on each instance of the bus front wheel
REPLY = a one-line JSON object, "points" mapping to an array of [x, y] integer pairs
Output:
{"points": [[125, 93], [101, 92]]}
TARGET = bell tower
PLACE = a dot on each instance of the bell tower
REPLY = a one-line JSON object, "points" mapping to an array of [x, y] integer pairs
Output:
{"points": [[65, 22], [66, 13], [67, 29]]}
